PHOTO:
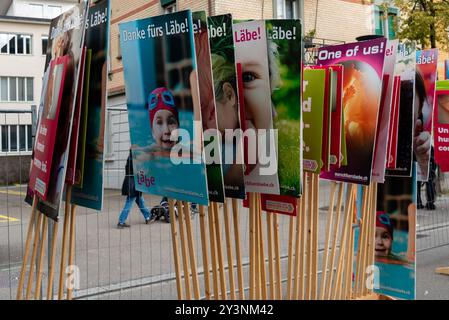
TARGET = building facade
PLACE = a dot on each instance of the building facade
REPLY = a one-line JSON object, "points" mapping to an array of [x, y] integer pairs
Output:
{"points": [[325, 22], [333, 21], [24, 29]]}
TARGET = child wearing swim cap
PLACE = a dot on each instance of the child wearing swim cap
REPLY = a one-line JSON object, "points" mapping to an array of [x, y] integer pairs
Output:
{"points": [[384, 234], [163, 117]]}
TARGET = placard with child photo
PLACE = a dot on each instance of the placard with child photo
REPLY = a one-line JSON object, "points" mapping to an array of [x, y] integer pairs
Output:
{"points": [[162, 94]]}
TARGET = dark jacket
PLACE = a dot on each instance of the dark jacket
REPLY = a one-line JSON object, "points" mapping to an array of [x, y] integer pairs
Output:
{"points": [[129, 187]]}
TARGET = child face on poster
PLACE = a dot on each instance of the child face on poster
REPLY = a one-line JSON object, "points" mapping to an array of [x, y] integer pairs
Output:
{"points": [[384, 234], [225, 93], [422, 139], [256, 82], [163, 117]]}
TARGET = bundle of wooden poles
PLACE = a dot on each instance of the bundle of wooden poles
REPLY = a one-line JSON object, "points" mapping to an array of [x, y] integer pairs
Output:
{"points": [[35, 242], [342, 274], [345, 270]]}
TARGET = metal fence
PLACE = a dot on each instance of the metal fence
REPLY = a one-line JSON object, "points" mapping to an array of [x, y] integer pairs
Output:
{"points": [[433, 225], [137, 263]]}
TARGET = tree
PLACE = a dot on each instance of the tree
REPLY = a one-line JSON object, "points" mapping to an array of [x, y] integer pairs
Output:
{"points": [[425, 21]]}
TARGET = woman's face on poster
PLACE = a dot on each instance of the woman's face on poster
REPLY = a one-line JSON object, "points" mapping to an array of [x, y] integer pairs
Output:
{"points": [[164, 123], [383, 242]]}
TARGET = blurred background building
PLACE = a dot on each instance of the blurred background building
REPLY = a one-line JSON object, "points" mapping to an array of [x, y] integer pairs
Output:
{"points": [[23, 43]]}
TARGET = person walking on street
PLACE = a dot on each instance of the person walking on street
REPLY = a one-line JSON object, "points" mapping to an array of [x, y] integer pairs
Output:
{"points": [[430, 186], [132, 195]]}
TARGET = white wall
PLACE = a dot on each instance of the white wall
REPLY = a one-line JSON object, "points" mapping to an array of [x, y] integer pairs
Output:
{"points": [[22, 8], [24, 65]]}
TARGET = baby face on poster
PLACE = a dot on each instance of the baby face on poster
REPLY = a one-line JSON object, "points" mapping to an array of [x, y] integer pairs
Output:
{"points": [[256, 80]]}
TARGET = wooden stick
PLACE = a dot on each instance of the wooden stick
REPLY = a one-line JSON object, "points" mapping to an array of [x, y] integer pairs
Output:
{"points": [[412, 223], [329, 285], [329, 224], [174, 237], [360, 244], [229, 251], [192, 254], [348, 283], [263, 274], [304, 246], [308, 295], [26, 252], [65, 232], [252, 268], [365, 248], [315, 228], [51, 271], [185, 261], [442, 270], [224, 293], [277, 250], [204, 251], [347, 247], [213, 251], [298, 250], [291, 235], [37, 291], [71, 245], [364, 257], [257, 249], [371, 234], [349, 265], [270, 256], [237, 249], [33, 256], [343, 244]]}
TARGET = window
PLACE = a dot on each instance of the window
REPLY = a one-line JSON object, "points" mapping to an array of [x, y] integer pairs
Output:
{"points": [[5, 138], [16, 89], [53, 11], [29, 89], [3, 89], [169, 6], [385, 24], [29, 138], [15, 43], [21, 89], [20, 42], [12, 43], [291, 9], [36, 10], [44, 44], [12, 89], [22, 138], [391, 25], [119, 49], [15, 138], [27, 44], [3, 43]]}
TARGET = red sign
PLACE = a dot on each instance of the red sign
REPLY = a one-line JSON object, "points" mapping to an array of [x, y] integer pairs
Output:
{"points": [[46, 134], [441, 133]]}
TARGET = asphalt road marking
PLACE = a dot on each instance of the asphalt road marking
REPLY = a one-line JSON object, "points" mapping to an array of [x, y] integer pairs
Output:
{"points": [[6, 219], [12, 192]]}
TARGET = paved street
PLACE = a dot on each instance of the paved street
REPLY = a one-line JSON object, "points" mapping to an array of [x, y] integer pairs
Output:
{"points": [[137, 263]]}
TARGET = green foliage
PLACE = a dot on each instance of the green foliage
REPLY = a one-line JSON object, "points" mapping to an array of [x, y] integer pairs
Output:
{"points": [[425, 21], [223, 46], [288, 169]]}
